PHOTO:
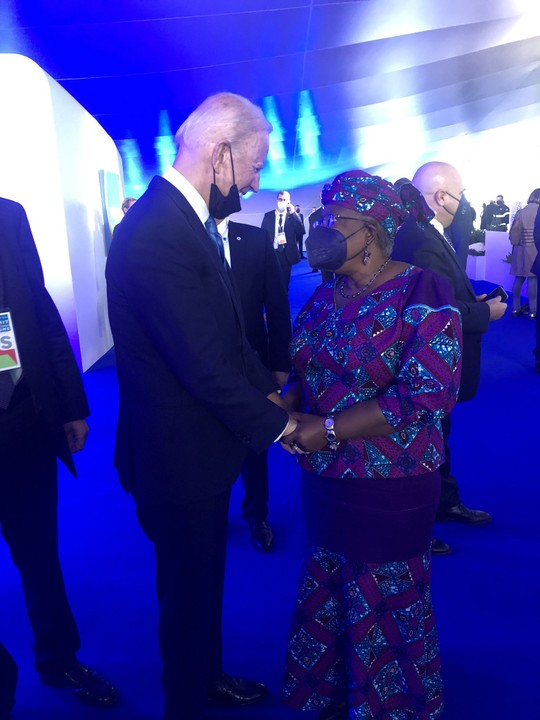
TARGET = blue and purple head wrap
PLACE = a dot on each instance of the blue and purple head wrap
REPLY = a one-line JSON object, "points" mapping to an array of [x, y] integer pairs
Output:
{"points": [[368, 195]]}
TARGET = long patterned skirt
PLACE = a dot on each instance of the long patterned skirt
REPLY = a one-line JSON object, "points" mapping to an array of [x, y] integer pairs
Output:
{"points": [[364, 634]]}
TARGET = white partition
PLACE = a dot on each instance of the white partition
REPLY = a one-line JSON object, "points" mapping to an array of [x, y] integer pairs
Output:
{"points": [[55, 158], [492, 265]]}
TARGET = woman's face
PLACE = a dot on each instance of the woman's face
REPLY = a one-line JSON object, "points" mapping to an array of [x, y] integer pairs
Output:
{"points": [[354, 228]]}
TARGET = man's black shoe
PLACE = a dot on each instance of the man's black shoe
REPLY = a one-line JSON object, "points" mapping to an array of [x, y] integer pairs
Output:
{"points": [[438, 547], [262, 536], [88, 685], [465, 515], [333, 712], [235, 692]]}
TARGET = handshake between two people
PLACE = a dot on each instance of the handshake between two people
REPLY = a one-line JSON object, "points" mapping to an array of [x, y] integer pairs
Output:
{"points": [[304, 434]]}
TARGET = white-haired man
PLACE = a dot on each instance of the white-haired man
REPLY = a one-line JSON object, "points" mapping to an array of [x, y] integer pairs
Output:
{"points": [[194, 395]]}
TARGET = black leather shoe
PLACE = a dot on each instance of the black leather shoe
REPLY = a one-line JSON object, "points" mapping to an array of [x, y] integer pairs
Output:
{"points": [[262, 536], [465, 515], [333, 712], [438, 547], [235, 692], [88, 685]]}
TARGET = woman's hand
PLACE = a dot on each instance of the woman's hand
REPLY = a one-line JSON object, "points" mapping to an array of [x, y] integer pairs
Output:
{"points": [[309, 435]]}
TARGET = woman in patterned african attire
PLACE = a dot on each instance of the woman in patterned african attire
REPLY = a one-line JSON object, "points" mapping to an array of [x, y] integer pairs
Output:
{"points": [[376, 363]]}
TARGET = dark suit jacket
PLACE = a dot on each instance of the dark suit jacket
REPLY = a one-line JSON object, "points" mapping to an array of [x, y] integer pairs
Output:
{"points": [[49, 367], [424, 246], [292, 227], [262, 293], [192, 391]]}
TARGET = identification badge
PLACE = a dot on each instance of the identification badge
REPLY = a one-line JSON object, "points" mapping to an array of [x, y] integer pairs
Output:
{"points": [[281, 239], [9, 353]]}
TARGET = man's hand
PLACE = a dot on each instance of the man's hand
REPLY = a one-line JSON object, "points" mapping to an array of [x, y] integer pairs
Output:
{"points": [[76, 432], [497, 308], [280, 377], [309, 435]]}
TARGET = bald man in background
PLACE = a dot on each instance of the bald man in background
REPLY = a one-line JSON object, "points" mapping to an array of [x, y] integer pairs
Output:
{"points": [[429, 244]]}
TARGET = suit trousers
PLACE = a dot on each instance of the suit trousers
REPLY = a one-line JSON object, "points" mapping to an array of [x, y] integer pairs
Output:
{"points": [[190, 547], [255, 480], [449, 487], [29, 523], [285, 266]]}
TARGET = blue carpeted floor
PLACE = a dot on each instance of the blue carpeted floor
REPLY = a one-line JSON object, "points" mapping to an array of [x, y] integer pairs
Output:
{"points": [[485, 593]]}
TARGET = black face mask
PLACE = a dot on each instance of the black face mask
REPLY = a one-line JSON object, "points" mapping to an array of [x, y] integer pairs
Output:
{"points": [[221, 206], [327, 248], [461, 227]]}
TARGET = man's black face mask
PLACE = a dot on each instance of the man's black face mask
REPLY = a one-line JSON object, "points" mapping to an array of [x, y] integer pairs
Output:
{"points": [[221, 206], [461, 227]]}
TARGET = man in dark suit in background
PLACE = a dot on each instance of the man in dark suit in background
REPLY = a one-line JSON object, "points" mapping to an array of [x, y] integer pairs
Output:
{"points": [[42, 417], [422, 242], [194, 396], [265, 304], [283, 225], [300, 234]]}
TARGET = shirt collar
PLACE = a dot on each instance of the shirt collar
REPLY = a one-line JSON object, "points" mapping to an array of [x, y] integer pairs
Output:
{"points": [[438, 226], [192, 195]]}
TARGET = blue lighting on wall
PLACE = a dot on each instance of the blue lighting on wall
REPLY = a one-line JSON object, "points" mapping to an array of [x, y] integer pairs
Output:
{"points": [[295, 157], [134, 181], [164, 143]]}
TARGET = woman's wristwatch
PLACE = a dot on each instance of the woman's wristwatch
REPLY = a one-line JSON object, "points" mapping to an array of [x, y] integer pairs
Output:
{"points": [[330, 432]]}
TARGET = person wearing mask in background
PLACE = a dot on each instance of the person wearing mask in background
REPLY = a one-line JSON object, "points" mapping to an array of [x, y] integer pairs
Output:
{"points": [[300, 235], [194, 396], [524, 254], [283, 226], [253, 262], [434, 198]]}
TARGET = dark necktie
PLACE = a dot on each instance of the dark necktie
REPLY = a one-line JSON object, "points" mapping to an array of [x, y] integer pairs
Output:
{"points": [[211, 229], [449, 241], [281, 247]]}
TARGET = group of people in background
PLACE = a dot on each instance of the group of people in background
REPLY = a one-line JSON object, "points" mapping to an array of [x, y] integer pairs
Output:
{"points": [[210, 376]]}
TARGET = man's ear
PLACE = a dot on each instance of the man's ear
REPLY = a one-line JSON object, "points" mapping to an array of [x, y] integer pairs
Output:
{"points": [[220, 155], [439, 197]]}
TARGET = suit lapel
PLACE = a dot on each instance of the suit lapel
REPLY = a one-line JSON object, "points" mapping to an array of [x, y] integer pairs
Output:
{"points": [[453, 259]]}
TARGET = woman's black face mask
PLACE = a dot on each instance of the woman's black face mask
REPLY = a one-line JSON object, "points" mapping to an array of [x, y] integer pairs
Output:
{"points": [[327, 248]]}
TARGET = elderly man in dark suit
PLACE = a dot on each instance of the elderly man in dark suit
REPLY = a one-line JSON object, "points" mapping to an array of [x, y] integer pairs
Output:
{"points": [[422, 240], [194, 396], [283, 227], [249, 253], [42, 417]]}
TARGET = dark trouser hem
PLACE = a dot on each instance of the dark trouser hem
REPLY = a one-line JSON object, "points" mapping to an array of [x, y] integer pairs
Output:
{"points": [[449, 486], [190, 547]]}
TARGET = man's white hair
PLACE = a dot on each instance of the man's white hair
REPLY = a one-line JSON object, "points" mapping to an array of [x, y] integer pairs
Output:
{"points": [[224, 117]]}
